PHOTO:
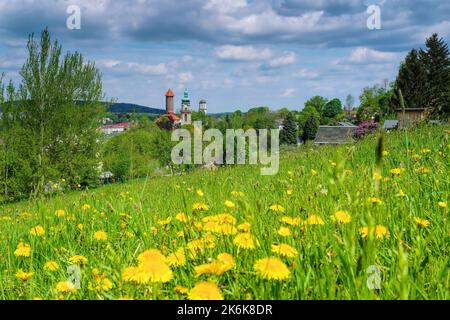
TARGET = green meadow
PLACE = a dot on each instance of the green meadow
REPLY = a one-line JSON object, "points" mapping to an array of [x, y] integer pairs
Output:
{"points": [[334, 223]]}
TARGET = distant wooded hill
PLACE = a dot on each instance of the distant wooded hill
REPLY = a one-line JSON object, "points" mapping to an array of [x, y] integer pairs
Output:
{"points": [[134, 108]]}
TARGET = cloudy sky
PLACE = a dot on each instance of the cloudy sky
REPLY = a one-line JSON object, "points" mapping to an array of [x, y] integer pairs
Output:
{"points": [[236, 54]]}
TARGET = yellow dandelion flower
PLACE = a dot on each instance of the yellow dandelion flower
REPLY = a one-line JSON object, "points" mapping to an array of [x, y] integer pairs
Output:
{"points": [[424, 223], [289, 192], [60, 213], [442, 204], [205, 290], [396, 171], [291, 221], [222, 264], [154, 230], [177, 258], [244, 227], [315, 220], [284, 250], [80, 227], [272, 268], [51, 266], [425, 151], [284, 231], [237, 193], [100, 236], [245, 241], [180, 234], [22, 250], [377, 176], [199, 206], [313, 172], [181, 290], [165, 222], [37, 231], [24, 276], [342, 217], [65, 286], [151, 255], [86, 206], [374, 200], [277, 208], [181, 217], [401, 193], [385, 153], [78, 259], [423, 170], [200, 193], [380, 232], [229, 204]]}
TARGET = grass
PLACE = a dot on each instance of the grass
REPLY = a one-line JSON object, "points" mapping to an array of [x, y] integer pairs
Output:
{"points": [[332, 258]]}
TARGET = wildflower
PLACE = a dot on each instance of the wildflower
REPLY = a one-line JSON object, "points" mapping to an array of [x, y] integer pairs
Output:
{"points": [[237, 194], [396, 171], [284, 232], [181, 217], [424, 151], [60, 213], [374, 200], [80, 227], [424, 223], [152, 267], [51, 266], [291, 221], [200, 207], [277, 208], [315, 219], [165, 222], [289, 192], [78, 259], [284, 250], [245, 241], [37, 231], [86, 206], [401, 193], [205, 290], [105, 285], [442, 204], [244, 227], [342, 217], [379, 230], [22, 250], [154, 230], [151, 255], [65, 286], [385, 153], [181, 290], [290, 173], [176, 259], [272, 269], [100, 236], [377, 176], [423, 170], [313, 172], [200, 193], [24, 276], [222, 264], [229, 204]]}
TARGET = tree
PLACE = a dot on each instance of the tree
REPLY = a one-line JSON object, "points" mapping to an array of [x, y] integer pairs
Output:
{"points": [[412, 80], [349, 102], [437, 64], [317, 102], [57, 109], [288, 135], [332, 110], [310, 129]]}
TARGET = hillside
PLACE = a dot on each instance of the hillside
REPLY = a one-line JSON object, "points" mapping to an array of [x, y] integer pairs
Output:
{"points": [[320, 229], [134, 108]]}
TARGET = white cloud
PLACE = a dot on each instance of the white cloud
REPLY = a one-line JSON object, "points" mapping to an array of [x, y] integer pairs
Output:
{"points": [[148, 69], [225, 6], [185, 77], [286, 59], [306, 74], [107, 63], [288, 93], [242, 53], [363, 55]]}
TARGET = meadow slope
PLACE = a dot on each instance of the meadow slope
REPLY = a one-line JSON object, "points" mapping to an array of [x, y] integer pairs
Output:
{"points": [[329, 221]]}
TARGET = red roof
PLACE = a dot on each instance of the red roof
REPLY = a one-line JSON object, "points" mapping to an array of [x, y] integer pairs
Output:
{"points": [[169, 115], [124, 125], [169, 93]]}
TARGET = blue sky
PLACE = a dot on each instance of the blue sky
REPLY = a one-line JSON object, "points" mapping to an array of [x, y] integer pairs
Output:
{"points": [[236, 54]]}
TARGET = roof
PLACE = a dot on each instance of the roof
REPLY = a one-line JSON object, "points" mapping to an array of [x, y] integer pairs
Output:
{"points": [[169, 93], [334, 135], [169, 115], [202, 101], [122, 125], [390, 124]]}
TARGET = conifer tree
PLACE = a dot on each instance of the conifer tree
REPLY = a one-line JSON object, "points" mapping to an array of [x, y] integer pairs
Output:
{"points": [[288, 135]]}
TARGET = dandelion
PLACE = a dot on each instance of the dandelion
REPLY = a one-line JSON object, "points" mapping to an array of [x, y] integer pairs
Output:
{"points": [[22, 250], [289, 192], [181, 290], [154, 230], [423, 170], [401, 193], [165, 222], [51, 266], [37, 231], [424, 223], [374, 200], [152, 268], [100, 236], [199, 206], [284, 250], [200, 193], [60, 213], [65, 287], [229, 204], [315, 220], [237, 193], [284, 231], [396, 171], [151, 255], [313, 172], [80, 226], [24, 276], [222, 264], [291, 221], [385, 153], [425, 151], [379, 231], [442, 204], [86, 206], [342, 217], [245, 241], [244, 227], [181, 217], [205, 290], [78, 259], [176, 259], [277, 208], [272, 268]]}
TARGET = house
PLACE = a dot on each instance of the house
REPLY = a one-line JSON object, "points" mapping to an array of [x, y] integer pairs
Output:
{"points": [[410, 116], [335, 134], [114, 129], [390, 125]]}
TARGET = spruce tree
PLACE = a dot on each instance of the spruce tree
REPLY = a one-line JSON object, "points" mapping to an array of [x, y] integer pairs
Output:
{"points": [[437, 63], [310, 128], [288, 135]]}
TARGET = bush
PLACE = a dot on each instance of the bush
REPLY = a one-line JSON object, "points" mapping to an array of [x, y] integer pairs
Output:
{"points": [[365, 128]]}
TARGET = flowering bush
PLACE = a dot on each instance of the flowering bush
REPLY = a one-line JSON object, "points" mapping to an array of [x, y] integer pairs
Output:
{"points": [[365, 128]]}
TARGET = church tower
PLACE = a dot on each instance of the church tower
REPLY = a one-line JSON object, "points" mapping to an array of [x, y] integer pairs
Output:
{"points": [[186, 114], [202, 107], [169, 101]]}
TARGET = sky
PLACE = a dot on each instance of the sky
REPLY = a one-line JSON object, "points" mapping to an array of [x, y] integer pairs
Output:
{"points": [[236, 54]]}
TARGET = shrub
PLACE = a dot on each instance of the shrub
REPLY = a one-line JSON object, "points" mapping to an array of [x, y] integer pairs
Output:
{"points": [[365, 128]]}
